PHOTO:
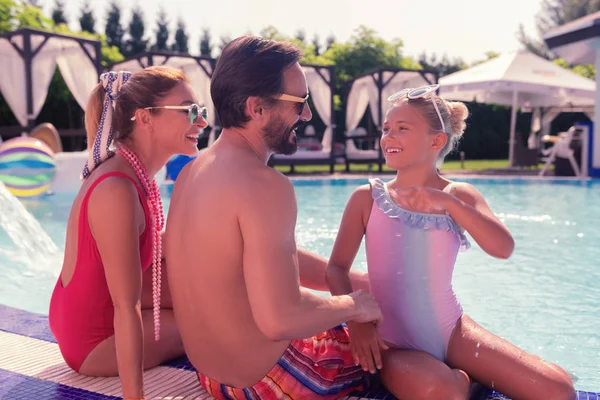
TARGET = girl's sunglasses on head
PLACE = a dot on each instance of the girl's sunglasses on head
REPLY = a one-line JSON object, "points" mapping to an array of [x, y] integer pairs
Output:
{"points": [[194, 111], [415, 93]]}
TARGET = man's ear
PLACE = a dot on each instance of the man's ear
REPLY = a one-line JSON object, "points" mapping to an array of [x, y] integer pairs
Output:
{"points": [[255, 107]]}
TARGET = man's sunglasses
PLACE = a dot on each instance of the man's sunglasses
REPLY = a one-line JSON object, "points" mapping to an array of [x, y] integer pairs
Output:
{"points": [[294, 99], [194, 111]]}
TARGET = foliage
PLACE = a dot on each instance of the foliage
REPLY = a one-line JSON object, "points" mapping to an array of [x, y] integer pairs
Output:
{"points": [[206, 46], [58, 13], [136, 43], [114, 31], [162, 31], [181, 38], [87, 21]]}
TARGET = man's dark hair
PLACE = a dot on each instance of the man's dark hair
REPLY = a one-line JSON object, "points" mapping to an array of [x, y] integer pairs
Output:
{"points": [[248, 66]]}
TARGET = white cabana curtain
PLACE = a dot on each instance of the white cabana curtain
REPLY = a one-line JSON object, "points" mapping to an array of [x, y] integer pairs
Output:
{"points": [[77, 69], [364, 92], [12, 80], [320, 92], [358, 100]]}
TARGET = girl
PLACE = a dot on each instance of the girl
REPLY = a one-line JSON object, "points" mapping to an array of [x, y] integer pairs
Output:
{"points": [[414, 227]]}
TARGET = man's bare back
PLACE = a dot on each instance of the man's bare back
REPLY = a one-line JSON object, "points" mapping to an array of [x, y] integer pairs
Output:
{"points": [[205, 252]]}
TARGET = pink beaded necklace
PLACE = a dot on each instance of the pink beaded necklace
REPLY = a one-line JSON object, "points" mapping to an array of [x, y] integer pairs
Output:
{"points": [[155, 201]]}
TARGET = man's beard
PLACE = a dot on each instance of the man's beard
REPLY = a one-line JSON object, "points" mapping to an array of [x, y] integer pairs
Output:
{"points": [[278, 136]]}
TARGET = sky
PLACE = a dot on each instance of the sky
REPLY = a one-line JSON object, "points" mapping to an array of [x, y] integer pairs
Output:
{"points": [[458, 28]]}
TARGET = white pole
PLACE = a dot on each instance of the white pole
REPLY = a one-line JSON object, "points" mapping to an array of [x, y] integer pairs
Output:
{"points": [[513, 122]]}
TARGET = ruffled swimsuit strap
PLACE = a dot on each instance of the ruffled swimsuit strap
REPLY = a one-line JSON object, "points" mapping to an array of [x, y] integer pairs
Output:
{"points": [[389, 207]]}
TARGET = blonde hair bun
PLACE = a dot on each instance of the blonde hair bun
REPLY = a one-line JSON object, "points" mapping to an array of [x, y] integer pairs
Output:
{"points": [[458, 114]]}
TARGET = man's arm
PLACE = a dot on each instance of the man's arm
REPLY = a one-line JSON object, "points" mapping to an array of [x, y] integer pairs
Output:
{"points": [[281, 308], [313, 270]]}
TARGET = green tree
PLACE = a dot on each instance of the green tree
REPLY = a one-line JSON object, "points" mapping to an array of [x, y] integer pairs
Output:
{"points": [[586, 70], [162, 31], [114, 31], [224, 40], [301, 35], [136, 43], [205, 43], [329, 41], [181, 38], [555, 13], [87, 21], [445, 66], [7, 15], [26, 15], [316, 44], [58, 13], [365, 51]]}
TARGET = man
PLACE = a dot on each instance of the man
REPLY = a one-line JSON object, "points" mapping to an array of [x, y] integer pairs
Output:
{"points": [[233, 267]]}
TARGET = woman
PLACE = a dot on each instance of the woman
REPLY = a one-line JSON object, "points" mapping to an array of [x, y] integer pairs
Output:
{"points": [[101, 308]]}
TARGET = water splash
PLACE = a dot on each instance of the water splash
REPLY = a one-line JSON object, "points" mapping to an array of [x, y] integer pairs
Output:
{"points": [[24, 230]]}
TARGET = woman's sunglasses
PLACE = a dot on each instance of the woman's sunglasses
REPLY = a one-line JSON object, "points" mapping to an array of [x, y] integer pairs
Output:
{"points": [[194, 111], [415, 93]]}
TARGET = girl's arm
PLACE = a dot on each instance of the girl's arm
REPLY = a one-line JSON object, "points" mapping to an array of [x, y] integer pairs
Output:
{"points": [[347, 243], [470, 210]]}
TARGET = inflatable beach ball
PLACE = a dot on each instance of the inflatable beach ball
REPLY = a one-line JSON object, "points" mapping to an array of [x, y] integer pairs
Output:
{"points": [[27, 166]]}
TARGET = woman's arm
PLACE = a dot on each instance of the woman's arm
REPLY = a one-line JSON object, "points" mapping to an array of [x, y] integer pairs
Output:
{"points": [[115, 216]]}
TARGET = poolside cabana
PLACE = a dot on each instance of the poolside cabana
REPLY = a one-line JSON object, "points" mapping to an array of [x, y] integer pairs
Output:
{"points": [[578, 42], [372, 90], [321, 86], [521, 79], [28, 59]]}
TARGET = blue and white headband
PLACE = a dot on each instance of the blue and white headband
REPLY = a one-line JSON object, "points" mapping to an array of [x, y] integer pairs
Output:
{"points": [[101, 151]]}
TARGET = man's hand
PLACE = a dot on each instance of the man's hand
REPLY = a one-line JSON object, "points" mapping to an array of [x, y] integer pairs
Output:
{"points": [[366, 308]]}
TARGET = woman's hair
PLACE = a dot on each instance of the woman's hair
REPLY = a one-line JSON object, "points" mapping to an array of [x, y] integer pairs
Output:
{"points": [[454, 114], [145, 88]]}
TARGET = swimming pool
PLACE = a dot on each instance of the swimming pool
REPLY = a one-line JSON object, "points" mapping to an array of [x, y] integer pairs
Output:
{"points": [[543, 299]]}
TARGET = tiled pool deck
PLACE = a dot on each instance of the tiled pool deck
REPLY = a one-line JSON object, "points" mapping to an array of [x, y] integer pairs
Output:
{"points": [[31, 367]]}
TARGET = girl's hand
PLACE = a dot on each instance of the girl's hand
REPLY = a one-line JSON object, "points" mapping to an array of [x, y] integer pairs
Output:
{"points": [[366, 345], [421, 199]]}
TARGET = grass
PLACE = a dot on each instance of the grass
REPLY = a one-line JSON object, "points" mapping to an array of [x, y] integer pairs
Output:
{"points": [[469, 165]]}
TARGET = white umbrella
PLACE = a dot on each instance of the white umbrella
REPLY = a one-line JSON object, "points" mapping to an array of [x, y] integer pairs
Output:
{"points": [[519, 79]]}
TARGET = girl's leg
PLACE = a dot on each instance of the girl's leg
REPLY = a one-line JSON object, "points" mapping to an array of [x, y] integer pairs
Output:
{"points": [[497, 364], [416, 375]]}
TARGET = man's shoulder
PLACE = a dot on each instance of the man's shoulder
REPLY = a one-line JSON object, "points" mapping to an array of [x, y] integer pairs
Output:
{"points": [[264, 178]]}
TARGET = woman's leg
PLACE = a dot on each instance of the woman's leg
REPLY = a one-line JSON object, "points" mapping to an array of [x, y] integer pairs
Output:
{"points": [[497, 364], [416, 375], [102, 360]]}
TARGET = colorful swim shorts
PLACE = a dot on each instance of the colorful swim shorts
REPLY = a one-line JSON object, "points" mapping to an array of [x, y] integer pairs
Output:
{"points": [[320, 367]]}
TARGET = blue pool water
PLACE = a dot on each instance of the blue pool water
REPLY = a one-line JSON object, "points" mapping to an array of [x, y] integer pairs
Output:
{"points": [[544, 298]]}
